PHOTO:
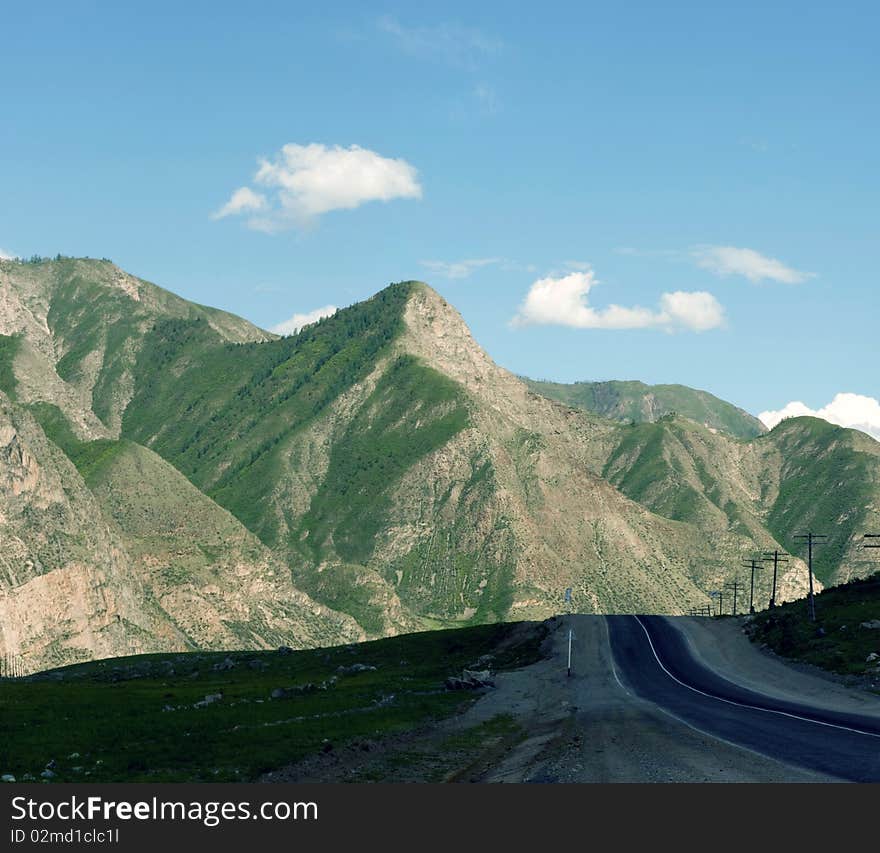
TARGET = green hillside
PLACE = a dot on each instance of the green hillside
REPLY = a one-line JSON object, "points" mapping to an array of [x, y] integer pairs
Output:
{"points": [[805, 475], [641, 403], [199, 483], [848, 616]]}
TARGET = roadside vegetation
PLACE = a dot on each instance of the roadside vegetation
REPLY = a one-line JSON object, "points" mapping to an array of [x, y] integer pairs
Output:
{"points": [[236, 716], [845, 638]]}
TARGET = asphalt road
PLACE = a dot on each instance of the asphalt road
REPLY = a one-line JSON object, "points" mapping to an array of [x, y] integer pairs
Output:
{"points": [[652, 660]]}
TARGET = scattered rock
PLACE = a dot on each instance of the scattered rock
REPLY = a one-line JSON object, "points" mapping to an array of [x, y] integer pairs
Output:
{"points": [[471, 680], [872, 624], [355, 667], [872, 657], [210, 699], [7, 777], [224, 665], [290, 692], [483, 678], [73, 755], [51, 764], [47, 774]]}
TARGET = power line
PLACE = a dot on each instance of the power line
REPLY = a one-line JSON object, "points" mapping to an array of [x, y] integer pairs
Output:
{"points": [[778, 557], [752, 564], [734, 586], [811, 539]]}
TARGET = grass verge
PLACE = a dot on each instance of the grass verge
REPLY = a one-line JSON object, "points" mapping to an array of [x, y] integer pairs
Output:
{"points": [[146, 718]]}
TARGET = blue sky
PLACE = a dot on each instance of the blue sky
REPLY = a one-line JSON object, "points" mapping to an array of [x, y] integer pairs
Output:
{"points": [[709, 168]]}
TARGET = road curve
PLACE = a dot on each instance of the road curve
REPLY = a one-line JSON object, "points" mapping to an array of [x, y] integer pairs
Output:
{"points": [[652, 658]]}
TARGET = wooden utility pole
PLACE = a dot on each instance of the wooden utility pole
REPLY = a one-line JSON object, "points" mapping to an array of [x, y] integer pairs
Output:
{"points": [[734, 586], [778, 557], [811, 539], [752, 564]]}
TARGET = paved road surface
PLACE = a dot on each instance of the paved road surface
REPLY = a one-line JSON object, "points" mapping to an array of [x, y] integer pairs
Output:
{"points": [[639, 707], [652, 659]]}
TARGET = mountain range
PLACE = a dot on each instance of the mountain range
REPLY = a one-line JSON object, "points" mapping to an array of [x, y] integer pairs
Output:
{"points": [[173, 477]]}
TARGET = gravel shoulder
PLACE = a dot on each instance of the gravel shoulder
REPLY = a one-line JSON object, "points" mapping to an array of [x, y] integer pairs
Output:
{"points": [[721, 645], [591, 728], [538, 725]]}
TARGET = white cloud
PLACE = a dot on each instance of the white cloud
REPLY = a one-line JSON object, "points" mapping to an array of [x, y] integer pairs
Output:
{"points": [[695, 310], [298, 321], [458, 269], [7, 256], [846, 409], [243, 200], [452, 44], [305, 181], [563, 301], [729, 260]]}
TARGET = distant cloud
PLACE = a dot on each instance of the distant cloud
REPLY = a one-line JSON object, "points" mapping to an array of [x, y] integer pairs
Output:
{"points": [[452, 44], [563, 301], [458, 269], [7, 256], [729, 260], [854, 411], [487, 99], [305, 181], [298, 321], [243, 200]]}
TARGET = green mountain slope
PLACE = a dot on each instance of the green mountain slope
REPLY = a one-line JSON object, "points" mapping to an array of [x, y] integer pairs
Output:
{"points": [[81, 323], [641, 403], [211, 485], [806, 474]]}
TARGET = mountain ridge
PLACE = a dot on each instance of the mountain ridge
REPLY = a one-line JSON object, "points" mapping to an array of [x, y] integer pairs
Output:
{"points": [[374, 473], [631, 400]]}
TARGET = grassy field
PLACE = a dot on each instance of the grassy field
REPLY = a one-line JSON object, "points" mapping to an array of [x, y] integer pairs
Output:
{"points": [[837, 641], [146, 718]]}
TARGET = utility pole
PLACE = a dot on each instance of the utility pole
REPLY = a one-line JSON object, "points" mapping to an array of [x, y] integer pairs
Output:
{"points": [[811, 539], [778, 557], [752, 564], [734, 586]]}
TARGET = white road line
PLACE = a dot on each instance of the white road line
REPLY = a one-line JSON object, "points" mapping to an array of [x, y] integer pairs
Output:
{"points": [[745, 705], [765, 756]]}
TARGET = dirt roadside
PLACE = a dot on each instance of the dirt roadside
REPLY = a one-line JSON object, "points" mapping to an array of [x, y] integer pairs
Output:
{"points": [[722, 646], [590, 728], [537, 725]]}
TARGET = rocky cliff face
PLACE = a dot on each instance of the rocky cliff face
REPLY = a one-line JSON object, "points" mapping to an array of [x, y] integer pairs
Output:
{"points": [[172, 477]]}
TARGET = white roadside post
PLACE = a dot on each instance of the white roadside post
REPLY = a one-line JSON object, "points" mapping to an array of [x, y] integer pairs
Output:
{"points": [[568, 600]]}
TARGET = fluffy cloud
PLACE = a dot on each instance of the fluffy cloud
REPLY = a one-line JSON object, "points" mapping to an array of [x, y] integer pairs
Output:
{"points": [[458, 269], [847, 410], [7, 256], [243, 200], [305, 181], [297, 321], [695, 310], [563, 301], [728, 260]]}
